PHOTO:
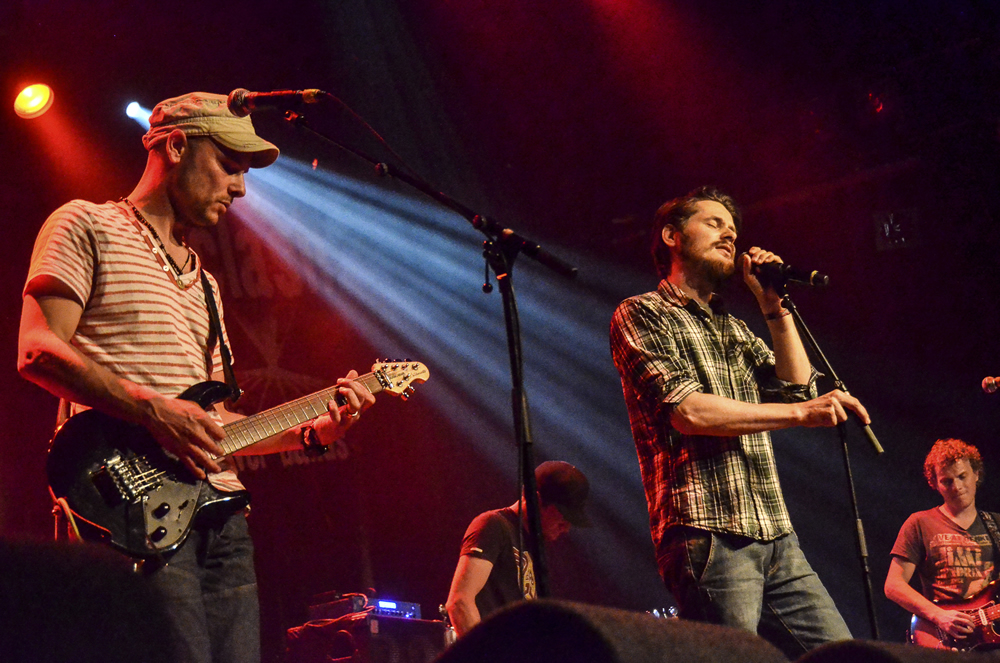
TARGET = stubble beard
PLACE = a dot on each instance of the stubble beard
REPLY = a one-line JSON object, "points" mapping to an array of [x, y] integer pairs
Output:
{"points": [[714, 272]]}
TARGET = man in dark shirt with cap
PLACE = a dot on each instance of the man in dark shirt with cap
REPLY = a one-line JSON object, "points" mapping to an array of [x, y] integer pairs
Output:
{"points": [[495, 567]]}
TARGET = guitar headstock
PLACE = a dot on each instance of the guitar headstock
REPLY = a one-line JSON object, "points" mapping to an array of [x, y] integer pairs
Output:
{"points": [[398, 377]]}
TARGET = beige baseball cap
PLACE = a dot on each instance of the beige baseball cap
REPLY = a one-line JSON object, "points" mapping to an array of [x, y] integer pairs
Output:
{"points": [[206, 114]]}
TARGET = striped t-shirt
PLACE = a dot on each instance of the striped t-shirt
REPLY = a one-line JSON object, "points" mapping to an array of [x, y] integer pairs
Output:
{"points": [[139, 320]]}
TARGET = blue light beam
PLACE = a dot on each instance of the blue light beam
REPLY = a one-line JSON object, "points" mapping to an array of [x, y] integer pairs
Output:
{"points": [[403, 265]]}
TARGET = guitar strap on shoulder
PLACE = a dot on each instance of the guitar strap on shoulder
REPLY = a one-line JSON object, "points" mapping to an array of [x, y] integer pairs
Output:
{"points": [[991, 527], [227, 359]]}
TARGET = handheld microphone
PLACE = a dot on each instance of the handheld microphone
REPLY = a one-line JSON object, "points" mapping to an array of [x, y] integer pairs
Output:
{"points": [[779, 272], [243, 102], [990, 384]]}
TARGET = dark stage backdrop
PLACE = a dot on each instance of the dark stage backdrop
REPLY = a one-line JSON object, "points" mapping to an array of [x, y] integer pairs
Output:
{"points": [[861, 138]]}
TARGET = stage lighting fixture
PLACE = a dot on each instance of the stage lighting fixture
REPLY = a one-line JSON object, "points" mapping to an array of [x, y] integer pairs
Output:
{"points": [[138, 113], [33, 101]]}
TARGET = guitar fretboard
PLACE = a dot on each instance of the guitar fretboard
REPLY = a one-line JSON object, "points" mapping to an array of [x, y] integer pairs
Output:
{"points": [[250, 430]]}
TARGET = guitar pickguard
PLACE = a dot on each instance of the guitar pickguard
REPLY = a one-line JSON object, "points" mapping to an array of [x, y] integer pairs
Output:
{"points": [[983, 610], [125, 490]]}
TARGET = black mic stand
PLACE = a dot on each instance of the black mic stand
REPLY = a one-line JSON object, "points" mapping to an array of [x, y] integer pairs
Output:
{"points": [[826, 368], [500, 249]]}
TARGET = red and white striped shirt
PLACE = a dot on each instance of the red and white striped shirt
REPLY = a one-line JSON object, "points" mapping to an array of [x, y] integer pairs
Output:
{"points": [[139, 320]]}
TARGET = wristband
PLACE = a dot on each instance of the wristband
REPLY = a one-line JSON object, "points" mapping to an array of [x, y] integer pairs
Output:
{"points": [[311, 444], [777, 316]]}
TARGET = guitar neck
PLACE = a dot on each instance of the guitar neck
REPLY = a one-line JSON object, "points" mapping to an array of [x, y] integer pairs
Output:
{"points": [[250, 430]]}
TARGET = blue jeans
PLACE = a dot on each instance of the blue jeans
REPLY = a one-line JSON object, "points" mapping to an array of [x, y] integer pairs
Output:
{"points": [[762, 587], [210, 589]]}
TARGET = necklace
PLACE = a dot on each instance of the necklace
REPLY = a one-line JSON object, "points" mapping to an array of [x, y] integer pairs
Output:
{"points": [[177, 270]]}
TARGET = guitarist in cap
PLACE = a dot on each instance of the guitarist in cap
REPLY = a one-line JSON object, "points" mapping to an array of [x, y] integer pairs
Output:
{"points": [[495, 567], [116, 318], [951, 550]]}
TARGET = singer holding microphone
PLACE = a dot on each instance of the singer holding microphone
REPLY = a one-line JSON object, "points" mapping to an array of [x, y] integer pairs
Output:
{"points": [[702, 394]]}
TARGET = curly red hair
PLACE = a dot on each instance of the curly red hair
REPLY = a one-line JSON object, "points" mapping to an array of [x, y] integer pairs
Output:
{"points": [[948, 451]]}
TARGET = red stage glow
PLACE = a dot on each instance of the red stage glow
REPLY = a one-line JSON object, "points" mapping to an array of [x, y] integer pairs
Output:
{"points": [[671, 68], [33, 101], [80, 166], [875, 102]]}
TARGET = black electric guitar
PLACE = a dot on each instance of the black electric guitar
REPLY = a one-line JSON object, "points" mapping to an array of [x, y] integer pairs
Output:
{"points": [[125, 491], [985, 613]]}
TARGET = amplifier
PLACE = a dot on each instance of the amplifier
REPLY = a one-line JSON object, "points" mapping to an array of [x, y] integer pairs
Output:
{"points": [[358, 602], [366, 637], [396, 608]]}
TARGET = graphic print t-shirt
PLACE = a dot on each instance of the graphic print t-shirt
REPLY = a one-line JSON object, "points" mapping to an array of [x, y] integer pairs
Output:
{"points": [[493, 536], [952, 563]]}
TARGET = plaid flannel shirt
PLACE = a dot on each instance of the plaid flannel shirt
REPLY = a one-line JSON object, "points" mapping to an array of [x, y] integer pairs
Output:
{"points": [[665, 347]]}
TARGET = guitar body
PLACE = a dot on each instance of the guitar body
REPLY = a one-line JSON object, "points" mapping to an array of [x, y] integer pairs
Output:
{"points": [[983, 609], [123, 489]]}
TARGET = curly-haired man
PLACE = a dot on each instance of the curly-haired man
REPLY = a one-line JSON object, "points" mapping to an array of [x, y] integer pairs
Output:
{"points": [[949, 549]]}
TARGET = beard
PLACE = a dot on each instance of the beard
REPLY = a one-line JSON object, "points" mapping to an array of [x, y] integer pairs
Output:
{"points": [[714, 269]]}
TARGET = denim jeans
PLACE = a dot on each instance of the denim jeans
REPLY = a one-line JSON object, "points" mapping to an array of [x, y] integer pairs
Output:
{"points": [[762, 587], [210, 589]]}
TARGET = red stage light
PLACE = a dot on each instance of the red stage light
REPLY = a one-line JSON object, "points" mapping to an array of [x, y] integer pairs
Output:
{"points": [[33, 101], [875, 102]]}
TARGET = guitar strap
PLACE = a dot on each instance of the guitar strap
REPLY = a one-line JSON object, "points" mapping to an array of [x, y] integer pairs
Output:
{"points": [[227, 359], [991, 527]]}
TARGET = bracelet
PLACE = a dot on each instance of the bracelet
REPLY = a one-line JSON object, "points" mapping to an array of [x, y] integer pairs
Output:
{"points": [[310, 442], [777, 316]]}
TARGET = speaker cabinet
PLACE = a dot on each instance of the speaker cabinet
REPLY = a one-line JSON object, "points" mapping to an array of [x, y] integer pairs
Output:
{"points": [[547, 631], [868, 651], [77, 602]]}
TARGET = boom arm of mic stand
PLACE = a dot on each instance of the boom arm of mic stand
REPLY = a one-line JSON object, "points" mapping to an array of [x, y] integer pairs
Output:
{"points": [[531, 249], [510, 239], [506, 236]]}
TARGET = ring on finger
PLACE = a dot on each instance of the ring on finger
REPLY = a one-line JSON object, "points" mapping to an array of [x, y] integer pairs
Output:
{"points": [[354, 415]]}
